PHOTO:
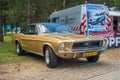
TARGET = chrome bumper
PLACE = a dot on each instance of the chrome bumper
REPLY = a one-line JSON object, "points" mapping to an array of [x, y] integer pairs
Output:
{"points": [[82, 50]]}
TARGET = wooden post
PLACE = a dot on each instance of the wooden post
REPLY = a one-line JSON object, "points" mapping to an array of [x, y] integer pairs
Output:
{"points": [[1, 32]]}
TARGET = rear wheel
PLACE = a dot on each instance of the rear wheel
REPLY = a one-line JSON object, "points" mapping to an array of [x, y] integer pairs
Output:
{"points": [[19, 50], [93, 58], [50, 58]]}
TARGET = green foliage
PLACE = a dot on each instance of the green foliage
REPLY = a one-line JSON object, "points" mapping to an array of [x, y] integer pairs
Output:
{"points": [[7, 52]]}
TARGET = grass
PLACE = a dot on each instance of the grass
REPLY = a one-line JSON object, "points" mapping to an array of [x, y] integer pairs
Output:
{"points": [[7, 52]]}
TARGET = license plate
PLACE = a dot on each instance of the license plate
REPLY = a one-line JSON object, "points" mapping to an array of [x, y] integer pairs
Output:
{"points": [[88, 54]]}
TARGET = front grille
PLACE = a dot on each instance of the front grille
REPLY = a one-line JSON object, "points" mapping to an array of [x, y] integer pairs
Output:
{"points": [[87, 44]]}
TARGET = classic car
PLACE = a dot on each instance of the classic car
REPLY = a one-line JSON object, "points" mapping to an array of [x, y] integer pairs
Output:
{"points": [[97, 18], [53, 40]]}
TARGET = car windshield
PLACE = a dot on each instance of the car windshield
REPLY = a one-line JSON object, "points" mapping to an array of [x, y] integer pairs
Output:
{"points": [[55, 28]]}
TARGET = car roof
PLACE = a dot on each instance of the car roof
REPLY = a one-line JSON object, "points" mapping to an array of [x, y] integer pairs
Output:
{"points": [[52, 24], [55, 24]]}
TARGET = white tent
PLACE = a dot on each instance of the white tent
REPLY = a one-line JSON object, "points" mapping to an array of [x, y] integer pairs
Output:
{"points": [[114, 13]]}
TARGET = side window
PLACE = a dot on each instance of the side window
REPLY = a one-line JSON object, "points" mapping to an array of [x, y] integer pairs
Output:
{"points": [[30, 30], [56, 19]]}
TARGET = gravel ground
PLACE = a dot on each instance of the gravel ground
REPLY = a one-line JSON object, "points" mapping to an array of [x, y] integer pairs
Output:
{"points": [[66, 70], [79, 70]]}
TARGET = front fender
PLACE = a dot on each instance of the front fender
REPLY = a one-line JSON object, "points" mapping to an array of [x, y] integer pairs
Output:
{"points": [[53, 46]]}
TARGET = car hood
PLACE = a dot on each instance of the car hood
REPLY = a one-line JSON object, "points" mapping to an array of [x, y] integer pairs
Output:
{"points": [[72, 37]]}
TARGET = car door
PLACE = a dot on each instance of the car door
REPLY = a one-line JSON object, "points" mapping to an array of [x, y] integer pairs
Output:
{"points": [[28, 39]]}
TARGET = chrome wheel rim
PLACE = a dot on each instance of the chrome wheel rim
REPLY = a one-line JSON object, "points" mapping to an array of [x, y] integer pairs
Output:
{"points": [[47, 59], [18, 48]]}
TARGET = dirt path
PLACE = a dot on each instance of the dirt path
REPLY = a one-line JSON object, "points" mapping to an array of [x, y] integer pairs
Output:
{"points": [[67, 69]]}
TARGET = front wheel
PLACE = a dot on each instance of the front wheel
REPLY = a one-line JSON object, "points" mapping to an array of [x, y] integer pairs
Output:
{"points": [[19, 50], [50, 58], [93, 58]]}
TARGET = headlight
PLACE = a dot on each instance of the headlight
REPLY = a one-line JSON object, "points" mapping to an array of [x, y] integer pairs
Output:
{"points": [[62, 45]]}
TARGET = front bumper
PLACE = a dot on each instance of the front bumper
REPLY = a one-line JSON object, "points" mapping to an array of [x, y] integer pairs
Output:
{"points": [[82, 50], [77, 53]]}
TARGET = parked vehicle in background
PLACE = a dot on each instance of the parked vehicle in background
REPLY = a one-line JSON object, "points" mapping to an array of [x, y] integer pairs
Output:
{"points": [[87, 19], [53, 40]]}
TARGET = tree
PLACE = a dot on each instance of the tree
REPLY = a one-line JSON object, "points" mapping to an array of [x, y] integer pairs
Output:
{"points": [[63, 4], [1, 33], [17, 11], [28, 11]]}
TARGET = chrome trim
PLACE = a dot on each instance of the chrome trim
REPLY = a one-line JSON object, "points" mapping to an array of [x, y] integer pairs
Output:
{"points": [[89, 49], [74, 56], [29, 51], [82, 50]]}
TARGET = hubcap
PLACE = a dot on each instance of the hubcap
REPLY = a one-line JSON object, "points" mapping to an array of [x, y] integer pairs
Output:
{"points": [[47, 59], [18, 48]]}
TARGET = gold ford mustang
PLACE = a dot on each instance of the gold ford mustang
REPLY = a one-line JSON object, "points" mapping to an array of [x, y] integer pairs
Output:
{"points": [[54, 40]]}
